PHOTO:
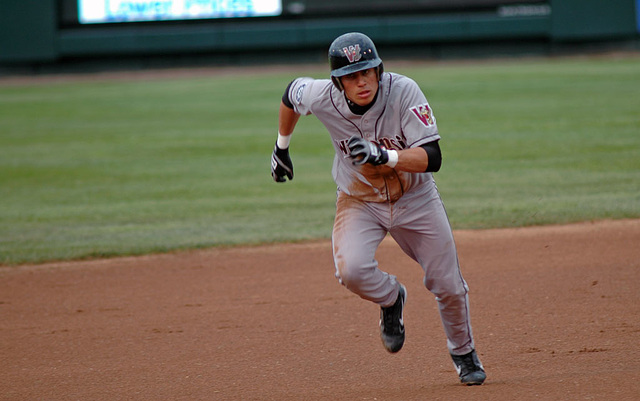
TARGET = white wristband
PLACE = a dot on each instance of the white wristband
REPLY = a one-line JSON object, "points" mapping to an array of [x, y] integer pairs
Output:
{"points": [[393, 158], [283, 140]]}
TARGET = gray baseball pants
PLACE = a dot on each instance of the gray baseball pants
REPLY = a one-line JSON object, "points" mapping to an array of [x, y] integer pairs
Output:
{"points": [[419, 224]]}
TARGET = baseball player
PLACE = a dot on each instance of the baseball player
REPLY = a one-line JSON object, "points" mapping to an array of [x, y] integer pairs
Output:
{"points": [[386, 149]]}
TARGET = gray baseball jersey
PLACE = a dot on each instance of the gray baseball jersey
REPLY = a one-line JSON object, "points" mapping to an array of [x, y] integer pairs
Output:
{"points": [[374, 201], [401, 118]]}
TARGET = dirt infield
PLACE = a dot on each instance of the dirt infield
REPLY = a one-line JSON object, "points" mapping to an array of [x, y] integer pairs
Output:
{"points": [[556, 314]]}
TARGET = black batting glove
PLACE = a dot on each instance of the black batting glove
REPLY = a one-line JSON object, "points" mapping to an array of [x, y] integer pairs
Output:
{"points": [[363, 151], [281, 165]]}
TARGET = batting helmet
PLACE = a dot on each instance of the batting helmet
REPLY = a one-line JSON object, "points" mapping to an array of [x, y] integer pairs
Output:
{"points": [[352, 52]]}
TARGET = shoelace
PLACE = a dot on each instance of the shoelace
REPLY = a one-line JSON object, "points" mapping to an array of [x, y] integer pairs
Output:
{"points": [[467, 365], [391, 321]]}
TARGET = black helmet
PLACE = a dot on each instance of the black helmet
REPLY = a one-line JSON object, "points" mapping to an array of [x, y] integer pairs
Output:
{"points": [[352, 52]]}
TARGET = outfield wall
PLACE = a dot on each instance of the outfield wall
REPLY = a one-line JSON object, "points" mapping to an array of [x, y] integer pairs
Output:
{"points": [[34, 32]]}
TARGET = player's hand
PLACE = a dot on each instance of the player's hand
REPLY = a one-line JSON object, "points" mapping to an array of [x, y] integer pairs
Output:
{"points": [[363, 151], [281, 165]]}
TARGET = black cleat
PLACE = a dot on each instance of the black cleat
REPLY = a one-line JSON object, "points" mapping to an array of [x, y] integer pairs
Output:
{"points": [[469, 368], [392, 323]]}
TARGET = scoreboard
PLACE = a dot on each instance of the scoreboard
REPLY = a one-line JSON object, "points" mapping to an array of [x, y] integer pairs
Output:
{"points": [[86, 12]]}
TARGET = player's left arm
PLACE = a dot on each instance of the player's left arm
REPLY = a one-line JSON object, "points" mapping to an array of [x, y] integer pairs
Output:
{"points": [[413, 160], [425, 158], [419, 126]]}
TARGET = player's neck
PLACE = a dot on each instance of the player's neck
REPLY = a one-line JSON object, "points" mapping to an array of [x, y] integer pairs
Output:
{"points": [[360, 110]]}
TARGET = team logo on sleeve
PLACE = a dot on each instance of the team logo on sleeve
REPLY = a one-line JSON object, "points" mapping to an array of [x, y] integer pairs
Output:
{"points": [[353, 53], [299, 93], [424, 114]]}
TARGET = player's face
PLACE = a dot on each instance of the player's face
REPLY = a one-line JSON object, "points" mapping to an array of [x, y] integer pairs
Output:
{"points": [[361, 87]]}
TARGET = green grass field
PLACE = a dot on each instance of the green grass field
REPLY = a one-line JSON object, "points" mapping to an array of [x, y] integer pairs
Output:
{"points": [[114, 167]]}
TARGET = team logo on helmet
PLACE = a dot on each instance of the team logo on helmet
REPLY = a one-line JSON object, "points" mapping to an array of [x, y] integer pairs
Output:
{"points": [[353, 53]]}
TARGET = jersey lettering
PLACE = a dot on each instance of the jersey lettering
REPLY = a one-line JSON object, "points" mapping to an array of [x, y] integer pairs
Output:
{"points": [[424, 114], [342, 145], [396, 143]]}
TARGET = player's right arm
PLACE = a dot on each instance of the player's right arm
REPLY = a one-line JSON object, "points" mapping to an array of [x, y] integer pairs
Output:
{"points": [[296, 101], [287, 119], [281, 164]]}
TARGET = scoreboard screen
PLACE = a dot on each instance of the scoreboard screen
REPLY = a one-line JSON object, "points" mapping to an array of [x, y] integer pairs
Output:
{"points": [[110, 11]]}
